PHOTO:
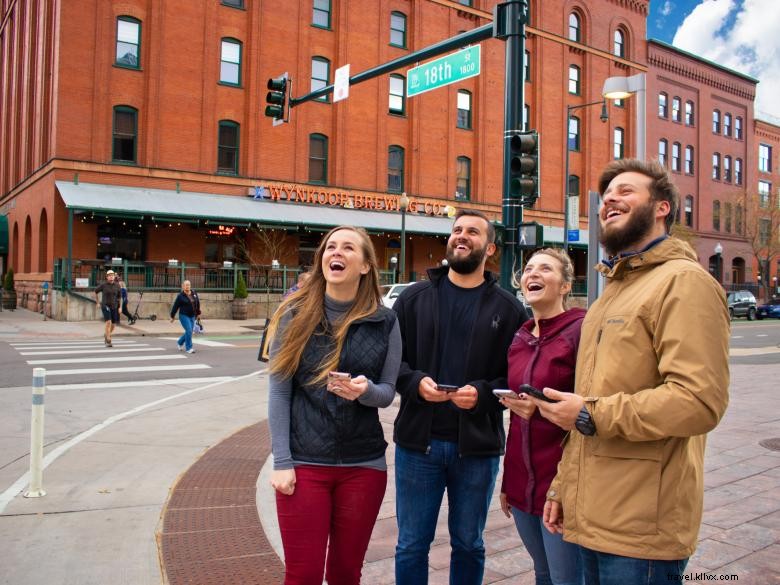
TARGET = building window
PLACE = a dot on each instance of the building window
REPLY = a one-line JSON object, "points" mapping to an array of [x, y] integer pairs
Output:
{"points": [[738, 171], [738, 128], [227, 147], [320, 74], [398, 29], [676, 103], [663, 105], [727, 217], [618, 143], [395, 169], [689, 211], [527, 66], [526, 116], [619, 45], [574, 27], [125, 134], [321, 13], [726, 124], [689, 160], [230, 62], [397, 95], [738, 219], [689, 119], [465, 2], [463, 185], [574, 186], [464, 109], [716, 121], [764, 188], [318, 158], [765, 158], [574, 133], [716, 215], [727, 168], [128, 42], [663, 151], [233, 3], [763, 231], [574, 80], [676, 157], [716, 166]]}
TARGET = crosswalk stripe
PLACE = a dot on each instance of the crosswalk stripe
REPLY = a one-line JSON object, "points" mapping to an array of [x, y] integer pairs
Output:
{"points": [[65, 342], [143, 383], [81, 346], [100, 349], [111, 359], [206, 342], [124, 370]]}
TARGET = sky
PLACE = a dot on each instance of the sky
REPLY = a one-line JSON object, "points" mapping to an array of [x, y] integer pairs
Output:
{"points": [[743, 35]]}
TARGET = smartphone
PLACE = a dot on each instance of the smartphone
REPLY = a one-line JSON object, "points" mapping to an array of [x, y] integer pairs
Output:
{"points": [[505, 393], [446, 387], [531, 391], [333, 376]]}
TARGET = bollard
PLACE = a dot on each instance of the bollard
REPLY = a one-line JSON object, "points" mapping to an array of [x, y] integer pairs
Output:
{"points": [[36, 435]]}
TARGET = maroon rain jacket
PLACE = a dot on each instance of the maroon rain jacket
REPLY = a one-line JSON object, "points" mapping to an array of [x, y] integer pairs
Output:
{"points": [[533, 447]]}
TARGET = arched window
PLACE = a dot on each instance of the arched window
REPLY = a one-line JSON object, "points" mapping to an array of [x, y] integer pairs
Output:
{"points": [[676, 109], [716, 121], [663, 151], [527, 66], [726, 124], [690, 120], [574, 80], [128, 42], [689, 166], [738, 219], [397, 95], [574, 133], [738, 171], [318, 158], [663, 104], [43, 242], [574, 186], [398, 29], [716, 166], [618, 148], [230, 62], [676, 157], [463, 180], [575, 33], [125, 135], [727, 168], [689, 211], [727, 217], [395, 169], [716, 215], [320, 75], [27, 244], [619, 44], [738, 128], [227, 147], [464, 109]]}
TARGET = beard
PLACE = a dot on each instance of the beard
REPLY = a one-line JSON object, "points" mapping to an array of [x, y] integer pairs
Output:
{"points": [[640, 222], [465, 264]]}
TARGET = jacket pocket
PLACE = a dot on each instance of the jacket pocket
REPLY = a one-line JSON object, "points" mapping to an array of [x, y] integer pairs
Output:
{"points": [[622, 486]]}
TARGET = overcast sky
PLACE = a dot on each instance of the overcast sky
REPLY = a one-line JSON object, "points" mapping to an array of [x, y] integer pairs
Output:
{"points": [[743, 35]]}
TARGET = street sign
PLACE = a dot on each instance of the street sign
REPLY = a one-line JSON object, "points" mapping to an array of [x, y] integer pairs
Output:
{"points": [[573, 236], [443, 71], [341, 83]]}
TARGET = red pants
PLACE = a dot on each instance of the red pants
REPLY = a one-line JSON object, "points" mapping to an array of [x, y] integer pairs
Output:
{"points": [[333, 510]]}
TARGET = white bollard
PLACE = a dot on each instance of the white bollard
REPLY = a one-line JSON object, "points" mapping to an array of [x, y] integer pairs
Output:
{"points": [[36, 435]]}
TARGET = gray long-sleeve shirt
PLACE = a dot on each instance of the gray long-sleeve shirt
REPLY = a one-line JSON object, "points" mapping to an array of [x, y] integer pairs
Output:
{"points": [[380, 393]]}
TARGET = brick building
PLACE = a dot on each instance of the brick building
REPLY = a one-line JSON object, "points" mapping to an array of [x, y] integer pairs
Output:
{"points": [[763, 197]]}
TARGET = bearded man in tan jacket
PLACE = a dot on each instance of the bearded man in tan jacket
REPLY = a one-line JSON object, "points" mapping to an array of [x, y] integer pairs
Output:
{"points": [[652, 379]]}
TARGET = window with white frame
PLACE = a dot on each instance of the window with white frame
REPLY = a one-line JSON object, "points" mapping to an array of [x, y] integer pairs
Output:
{"points": [[689, 166], [676, 156], [676, 109], [128, 42], [464, 109], [574, 27], [738, 171], [716, 166], [764, 188], [727, 168], [230, 62], [663, 151], [574, 80], [397, 95], [618, 143], [689, 117], [765, 158]]}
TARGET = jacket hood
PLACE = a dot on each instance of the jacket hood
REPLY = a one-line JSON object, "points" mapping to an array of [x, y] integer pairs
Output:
{"points": [[669, 249], [551, 327]]}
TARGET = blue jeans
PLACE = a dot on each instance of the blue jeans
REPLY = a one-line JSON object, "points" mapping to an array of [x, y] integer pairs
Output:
{"points": [[420, 480], [556, 562], [605, 569], [188, 323]]}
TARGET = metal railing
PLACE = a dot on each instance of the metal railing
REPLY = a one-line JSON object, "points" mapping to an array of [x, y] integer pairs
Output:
{"points": [[165, 276]]}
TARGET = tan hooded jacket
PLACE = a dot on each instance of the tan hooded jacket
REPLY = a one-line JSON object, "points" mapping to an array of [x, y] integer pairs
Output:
{"points": [[653, 368]]}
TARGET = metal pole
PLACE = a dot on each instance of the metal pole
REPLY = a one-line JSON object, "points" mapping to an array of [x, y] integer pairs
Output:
{"points": [[69, 270], [566, 182], [403, 243], [36, 435], [512, 15], [641, 115], [595, 279]]}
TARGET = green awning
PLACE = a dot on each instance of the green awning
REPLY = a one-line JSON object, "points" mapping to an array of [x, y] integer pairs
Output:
{"points": [[3, 234]]}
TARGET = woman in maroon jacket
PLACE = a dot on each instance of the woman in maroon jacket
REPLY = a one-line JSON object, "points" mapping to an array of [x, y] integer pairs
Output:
{"points": [[543, 354]]}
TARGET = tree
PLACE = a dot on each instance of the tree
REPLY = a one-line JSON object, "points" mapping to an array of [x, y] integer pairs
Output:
{"points": [[761, 230], [272, 244]]}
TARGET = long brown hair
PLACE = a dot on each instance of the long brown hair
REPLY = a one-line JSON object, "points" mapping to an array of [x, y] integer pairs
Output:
{"points": [[307, 307]]}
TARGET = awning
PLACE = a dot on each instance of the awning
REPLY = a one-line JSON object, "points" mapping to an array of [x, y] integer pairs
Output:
{"points": [[3, 234], [168, 204]]}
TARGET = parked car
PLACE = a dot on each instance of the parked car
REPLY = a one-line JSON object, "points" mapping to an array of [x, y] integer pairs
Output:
{"points": [[390, 292], [742, 303], [769, 310]]}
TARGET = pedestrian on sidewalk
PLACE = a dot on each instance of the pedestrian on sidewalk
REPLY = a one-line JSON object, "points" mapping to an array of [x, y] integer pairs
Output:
{"points": [[334, 357], [652, 379], [543, 354], [187, 303], [109, 304], [123, 293], [449, 433]]}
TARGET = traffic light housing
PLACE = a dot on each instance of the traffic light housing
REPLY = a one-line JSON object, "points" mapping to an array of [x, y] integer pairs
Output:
{"points": [[524, 167], [276, 98], [530, 235]]}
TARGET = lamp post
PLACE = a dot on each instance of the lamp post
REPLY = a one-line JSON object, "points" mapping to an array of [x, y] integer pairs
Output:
{"points": [[403, 204], [620, 88], [718, 262], [569, 109]]}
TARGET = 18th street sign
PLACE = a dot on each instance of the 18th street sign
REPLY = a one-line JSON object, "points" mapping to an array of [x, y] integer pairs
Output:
{"points": [[443, 71]]}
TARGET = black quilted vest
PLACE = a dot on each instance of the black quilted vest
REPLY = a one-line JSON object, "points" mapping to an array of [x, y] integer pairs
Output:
{"points": [[325, 428]]}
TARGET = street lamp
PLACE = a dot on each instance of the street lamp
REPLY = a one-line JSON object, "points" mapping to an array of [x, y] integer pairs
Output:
{"points": [[718, 262], [620, 88], [569, 109], [403, 203]]}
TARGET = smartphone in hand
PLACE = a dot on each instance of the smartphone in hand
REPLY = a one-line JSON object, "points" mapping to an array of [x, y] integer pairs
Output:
{"points": [[446, 388], [536, 393], [506, 393], [337, 377]]}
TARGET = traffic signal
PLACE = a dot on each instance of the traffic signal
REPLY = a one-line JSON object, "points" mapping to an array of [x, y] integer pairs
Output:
{"points": [[530, 235], [276, 99], [524, 167]]}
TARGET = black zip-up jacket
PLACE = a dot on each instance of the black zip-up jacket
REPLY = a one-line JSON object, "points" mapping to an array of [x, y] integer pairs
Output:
{"points": [[499, 316], [187, 307]]}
